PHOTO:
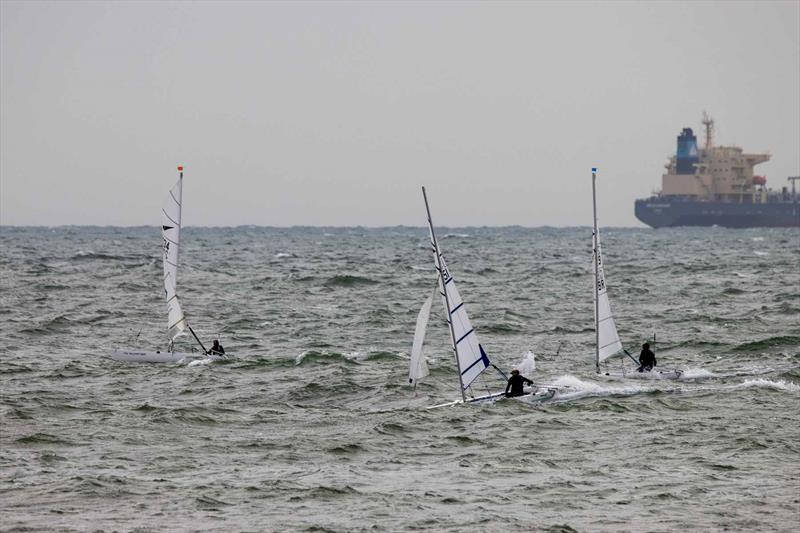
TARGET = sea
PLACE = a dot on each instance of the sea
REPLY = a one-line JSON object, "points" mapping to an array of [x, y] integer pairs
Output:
{"points": [[312, 424]]}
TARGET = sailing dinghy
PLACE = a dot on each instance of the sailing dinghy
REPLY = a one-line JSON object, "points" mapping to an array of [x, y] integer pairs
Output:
{"points": [[471, 358], [176, 320], [607, 341]]}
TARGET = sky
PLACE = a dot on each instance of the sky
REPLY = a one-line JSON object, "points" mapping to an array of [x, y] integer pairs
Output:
{"points": [[335, 113]]}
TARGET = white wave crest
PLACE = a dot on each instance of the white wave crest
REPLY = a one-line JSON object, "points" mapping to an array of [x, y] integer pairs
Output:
{"points": [[572, 388], [697, 373], [299, 359], [355, 356], [769, 384]]}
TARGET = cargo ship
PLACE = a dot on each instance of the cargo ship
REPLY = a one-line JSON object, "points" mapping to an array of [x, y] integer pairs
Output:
{"points": [[717, 186]]}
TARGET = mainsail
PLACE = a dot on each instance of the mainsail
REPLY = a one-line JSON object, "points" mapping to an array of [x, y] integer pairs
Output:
{"points": [[472, 359], [418, 368], [606, 336], [171, 231], [470, 356]]}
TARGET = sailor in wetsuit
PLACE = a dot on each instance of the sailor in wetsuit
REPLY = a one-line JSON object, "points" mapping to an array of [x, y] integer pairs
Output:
{"points": [[516, 383], [647, 359], [216, 349]]}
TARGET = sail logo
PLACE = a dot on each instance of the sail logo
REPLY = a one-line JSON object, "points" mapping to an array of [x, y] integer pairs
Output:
{"points": [[446, 274]]}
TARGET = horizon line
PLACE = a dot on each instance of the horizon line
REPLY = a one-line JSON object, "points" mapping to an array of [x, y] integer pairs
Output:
{"points": [[305, 226]]}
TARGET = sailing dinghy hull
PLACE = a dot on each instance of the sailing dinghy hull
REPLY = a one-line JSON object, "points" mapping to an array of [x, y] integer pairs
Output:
{"points": [[131, 356], [532, 398]]}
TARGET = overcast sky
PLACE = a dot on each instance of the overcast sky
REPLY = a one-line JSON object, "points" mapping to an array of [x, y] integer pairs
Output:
{"points": [[332, 113]]}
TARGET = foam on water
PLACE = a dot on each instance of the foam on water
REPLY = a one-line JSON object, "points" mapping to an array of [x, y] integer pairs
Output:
{"points": [[573, 388], [314, 427], [697, 373], [769, 384]]}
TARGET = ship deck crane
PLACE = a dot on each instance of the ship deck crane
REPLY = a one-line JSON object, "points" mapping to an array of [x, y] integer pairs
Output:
{"points": [[708, 122], [793, 179]]}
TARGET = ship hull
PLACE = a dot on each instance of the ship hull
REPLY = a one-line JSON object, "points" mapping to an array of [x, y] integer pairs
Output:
{"points": [[664, 212]]}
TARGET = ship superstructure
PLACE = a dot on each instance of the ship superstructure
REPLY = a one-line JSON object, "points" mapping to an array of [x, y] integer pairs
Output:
{"points": [[716, 185]]}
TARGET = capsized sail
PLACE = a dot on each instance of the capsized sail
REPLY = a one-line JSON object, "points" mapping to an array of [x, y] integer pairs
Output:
{"points": [[171, 232], [607, 337], [418, 368]]}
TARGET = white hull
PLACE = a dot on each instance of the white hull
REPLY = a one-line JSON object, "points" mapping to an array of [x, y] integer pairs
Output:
{"points": [[131, 356], [652, 375], [534, 397]]}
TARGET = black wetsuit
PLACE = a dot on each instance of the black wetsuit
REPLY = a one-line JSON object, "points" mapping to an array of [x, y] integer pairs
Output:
{"points": [[516, 383], [647, 360], [217, 350]]}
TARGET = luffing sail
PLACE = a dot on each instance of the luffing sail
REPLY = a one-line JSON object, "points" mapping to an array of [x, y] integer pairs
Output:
{"points": [[171, 231], [608, 338], [418, 368]]}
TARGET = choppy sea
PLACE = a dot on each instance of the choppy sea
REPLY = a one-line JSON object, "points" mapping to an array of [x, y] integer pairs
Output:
{"points": [[313, 427]]}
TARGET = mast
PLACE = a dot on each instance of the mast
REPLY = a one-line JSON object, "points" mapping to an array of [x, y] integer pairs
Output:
{"points": [[179, 223], [436, 253], [596, 277]]}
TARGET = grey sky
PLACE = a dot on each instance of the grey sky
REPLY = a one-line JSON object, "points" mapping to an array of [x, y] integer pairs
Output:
{"points": [[335, 113]]}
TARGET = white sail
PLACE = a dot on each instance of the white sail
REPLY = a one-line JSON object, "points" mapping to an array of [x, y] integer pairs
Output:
{"points": [[418, 368], [472, 359], [470, 356], [607, 337], [171, 231]]}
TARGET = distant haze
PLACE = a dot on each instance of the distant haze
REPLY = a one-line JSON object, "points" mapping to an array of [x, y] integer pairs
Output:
{"points": [[335, 113]]}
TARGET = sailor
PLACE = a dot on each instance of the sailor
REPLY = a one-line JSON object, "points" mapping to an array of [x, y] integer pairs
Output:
{"points": [[647, 359], [216, 349], [516, 383]]}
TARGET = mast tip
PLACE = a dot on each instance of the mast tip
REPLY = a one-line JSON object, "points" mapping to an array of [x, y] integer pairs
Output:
{"points": [[594, 169], [180, 168]]}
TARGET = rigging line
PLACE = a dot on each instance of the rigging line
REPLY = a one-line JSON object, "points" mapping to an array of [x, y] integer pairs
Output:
{"points": [[629, 355], [500, 371]]}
